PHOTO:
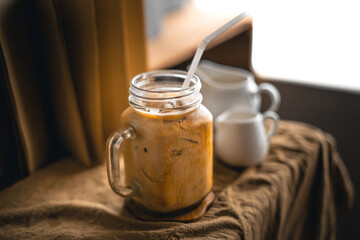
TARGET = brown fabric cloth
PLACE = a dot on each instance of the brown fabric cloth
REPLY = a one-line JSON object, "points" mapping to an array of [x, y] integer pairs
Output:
{"points": [[296, 193]]}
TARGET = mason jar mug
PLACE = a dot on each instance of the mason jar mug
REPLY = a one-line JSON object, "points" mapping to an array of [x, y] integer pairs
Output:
{"points": [[166, 141]]}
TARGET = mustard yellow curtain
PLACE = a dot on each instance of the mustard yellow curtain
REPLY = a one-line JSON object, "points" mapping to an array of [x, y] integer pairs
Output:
{"points": [[65, 71]]}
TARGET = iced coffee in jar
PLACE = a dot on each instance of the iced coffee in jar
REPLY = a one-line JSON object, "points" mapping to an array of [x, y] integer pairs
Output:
{"points": [[166, 141]]}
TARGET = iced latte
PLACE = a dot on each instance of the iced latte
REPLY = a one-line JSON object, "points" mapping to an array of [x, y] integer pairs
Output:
{"points": [[171, 158], [166, 140]]}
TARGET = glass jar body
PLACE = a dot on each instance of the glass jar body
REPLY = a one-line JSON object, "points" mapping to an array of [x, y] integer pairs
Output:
{"points": [[170, 160]]}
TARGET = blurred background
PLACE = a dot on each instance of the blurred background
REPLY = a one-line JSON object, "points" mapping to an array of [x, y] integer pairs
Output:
{"points": [[285, 35]]}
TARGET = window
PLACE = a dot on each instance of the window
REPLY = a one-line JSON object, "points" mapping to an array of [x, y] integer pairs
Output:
{"points": [[310, 42]]}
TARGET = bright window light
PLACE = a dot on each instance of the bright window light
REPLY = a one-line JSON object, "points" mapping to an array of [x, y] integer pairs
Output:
{"points": [[222, 6], [310, 41]]}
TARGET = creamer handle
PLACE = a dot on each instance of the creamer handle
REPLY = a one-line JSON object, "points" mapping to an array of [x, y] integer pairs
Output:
{"points": [[273, 93], [275, 118]]}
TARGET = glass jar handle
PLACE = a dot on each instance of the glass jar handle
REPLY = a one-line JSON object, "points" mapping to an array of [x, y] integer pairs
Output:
{"points": [[113, 161]]}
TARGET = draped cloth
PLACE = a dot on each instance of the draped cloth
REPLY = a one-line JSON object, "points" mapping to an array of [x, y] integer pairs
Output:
{"points": [[297, 192], [65, 69]]}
